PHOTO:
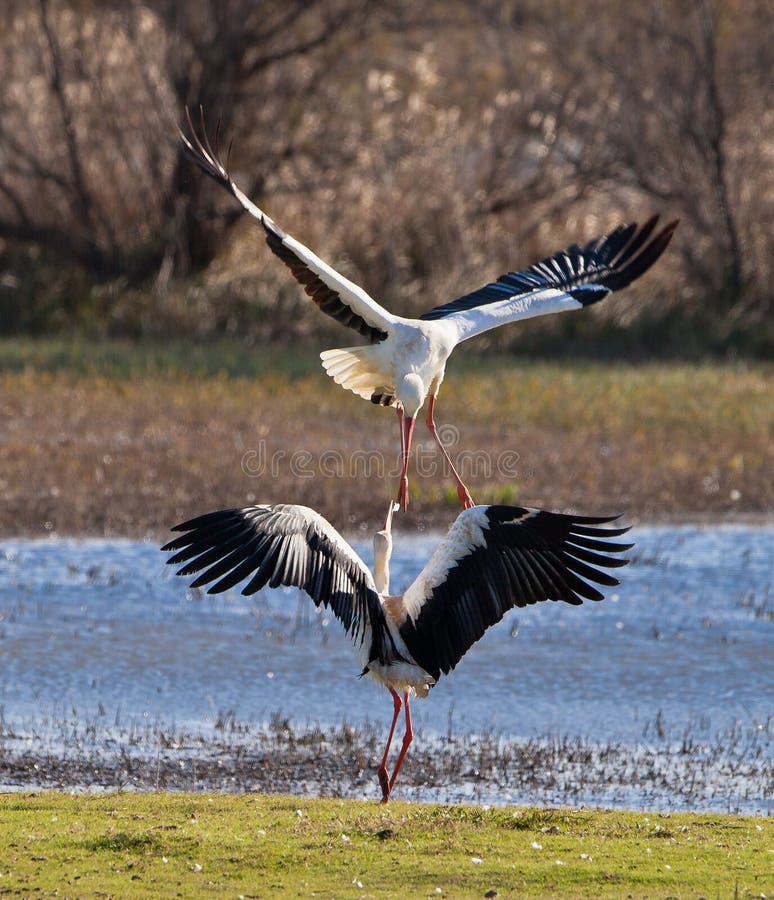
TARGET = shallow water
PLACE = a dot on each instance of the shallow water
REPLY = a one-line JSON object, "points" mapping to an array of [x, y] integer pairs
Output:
{"points": [[102, 630]]}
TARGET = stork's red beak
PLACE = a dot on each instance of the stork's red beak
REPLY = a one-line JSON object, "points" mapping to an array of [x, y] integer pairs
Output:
{"points": [[388, 520]]}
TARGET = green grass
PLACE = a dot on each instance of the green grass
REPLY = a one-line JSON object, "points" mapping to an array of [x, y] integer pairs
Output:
{"points": [[124, 359], [162, 845], [485, 389]]}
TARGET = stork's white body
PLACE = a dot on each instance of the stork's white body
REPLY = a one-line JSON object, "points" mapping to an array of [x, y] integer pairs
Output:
{"points": [[403, 677], [412, 347]]}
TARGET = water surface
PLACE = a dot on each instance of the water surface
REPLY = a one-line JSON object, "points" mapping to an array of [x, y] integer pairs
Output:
{"points": [[102, 630]]}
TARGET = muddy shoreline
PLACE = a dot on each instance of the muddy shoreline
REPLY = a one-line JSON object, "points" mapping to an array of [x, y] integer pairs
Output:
{"points": [[732, 774]]}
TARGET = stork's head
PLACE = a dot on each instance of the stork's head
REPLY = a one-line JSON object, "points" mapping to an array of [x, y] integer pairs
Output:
{"points": [[411, 392], [382, 554]]}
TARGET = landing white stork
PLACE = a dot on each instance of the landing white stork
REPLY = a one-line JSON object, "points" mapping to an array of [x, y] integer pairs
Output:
{"points": [[492, 559], [405, 362]]}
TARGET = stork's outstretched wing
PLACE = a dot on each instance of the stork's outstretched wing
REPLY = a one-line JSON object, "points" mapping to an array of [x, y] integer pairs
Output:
{"points": [[334, 294], [570, 279], [282, 544], [495, 558]]}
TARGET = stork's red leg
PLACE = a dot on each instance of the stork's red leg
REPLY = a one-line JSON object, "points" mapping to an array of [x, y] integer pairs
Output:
{"points": [[382, 771], [402, 436], [408, 737], [406, 431], [462, 492]]}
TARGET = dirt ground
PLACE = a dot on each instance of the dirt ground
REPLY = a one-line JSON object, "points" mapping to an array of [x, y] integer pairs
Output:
{"points": [[90, 455]]}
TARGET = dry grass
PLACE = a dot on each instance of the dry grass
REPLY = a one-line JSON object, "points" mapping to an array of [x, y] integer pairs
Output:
{"points": [[93, 454]]}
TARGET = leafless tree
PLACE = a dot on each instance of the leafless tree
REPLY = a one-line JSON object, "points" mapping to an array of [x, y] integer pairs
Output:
{"points": [[675, 91], [90, 163], [420, 146], [72, 180], [258, 68]]}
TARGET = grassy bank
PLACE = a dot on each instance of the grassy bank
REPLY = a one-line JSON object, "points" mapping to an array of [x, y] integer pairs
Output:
{"points": [[160, 845], [121, 359], [123, 439]]}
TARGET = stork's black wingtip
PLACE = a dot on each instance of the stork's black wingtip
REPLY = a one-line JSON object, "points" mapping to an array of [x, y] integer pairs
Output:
{"points": [[596, 520], [671, 226], [171, 545], [624, 528], [181, 526], [188, 120]]}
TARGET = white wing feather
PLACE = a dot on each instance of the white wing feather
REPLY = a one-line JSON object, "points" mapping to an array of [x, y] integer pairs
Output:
{"points": [[524, 306], [464, 536]]}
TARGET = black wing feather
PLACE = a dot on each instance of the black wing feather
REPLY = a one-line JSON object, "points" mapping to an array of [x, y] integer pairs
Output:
{"points": [[607, 263], [520, 557], [283, 545], [324, 297]]}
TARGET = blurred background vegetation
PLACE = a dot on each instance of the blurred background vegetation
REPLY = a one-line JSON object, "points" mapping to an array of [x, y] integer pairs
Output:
{"points": [[422, 148]]}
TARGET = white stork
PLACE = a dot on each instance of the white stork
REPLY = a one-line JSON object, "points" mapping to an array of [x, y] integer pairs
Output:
{"points": [[404, 363], [492, 559]]}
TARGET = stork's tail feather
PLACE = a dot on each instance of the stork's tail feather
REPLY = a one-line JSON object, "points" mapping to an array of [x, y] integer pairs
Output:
{"points": [[357, 369]]}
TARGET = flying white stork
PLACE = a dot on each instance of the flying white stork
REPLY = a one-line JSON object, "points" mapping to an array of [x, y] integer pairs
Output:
{"points": [[404, 363], [492, 559]]}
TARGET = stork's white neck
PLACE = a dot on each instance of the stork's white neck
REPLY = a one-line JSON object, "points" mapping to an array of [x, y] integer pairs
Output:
{"points": [[382, 553]]}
